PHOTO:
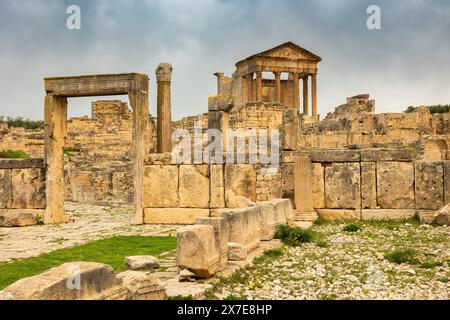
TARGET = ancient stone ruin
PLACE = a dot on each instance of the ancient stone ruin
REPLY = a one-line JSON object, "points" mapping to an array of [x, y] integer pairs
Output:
{"points": [[352, 165]]}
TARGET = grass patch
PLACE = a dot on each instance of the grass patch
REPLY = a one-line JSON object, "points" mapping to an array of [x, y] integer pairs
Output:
{"points": [[111, 251], [13, 154], [234, 297], [189, 297], [352, 227], [293, 237], [399, 256], [269, 255], [322, 244], [71, 151]]}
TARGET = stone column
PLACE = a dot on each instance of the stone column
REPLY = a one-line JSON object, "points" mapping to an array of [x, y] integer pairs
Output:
{"points": [[219, 76], [259, 86], [250, 87], [55, 135], [296, 91], [277, 86], [314, 94], [305, 95], [164, 125], [141, 144]]}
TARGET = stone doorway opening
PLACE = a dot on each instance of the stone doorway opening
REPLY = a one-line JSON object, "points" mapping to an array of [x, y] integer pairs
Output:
{"points": [[58, 90]]}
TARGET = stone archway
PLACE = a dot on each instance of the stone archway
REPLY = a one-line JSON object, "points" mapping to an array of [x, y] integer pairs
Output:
{"points": [[58, 89]]}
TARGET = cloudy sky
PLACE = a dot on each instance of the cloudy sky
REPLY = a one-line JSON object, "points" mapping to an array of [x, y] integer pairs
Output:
{"points": [[405, 63]]}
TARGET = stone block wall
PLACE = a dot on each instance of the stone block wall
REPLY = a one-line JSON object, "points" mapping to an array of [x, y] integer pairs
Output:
{"points": [[179, 193], [375, 184], [22, 191], [229, 235]]}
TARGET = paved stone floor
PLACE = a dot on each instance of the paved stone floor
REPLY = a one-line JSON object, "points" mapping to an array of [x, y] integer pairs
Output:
{"points": [[90, 223]]}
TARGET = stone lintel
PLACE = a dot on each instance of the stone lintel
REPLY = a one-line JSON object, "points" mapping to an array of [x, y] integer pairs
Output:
{"points": [[21, 163], [332, 155], [96, 85], [375, 155]]}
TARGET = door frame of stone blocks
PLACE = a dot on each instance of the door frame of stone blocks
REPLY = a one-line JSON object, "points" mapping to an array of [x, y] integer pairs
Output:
{"points": [[58, 89]]}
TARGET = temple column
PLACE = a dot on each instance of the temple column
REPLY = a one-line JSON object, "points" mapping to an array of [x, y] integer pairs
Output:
{"points": [[277, 86], [296, 91], [259, 86], [250, 87], [164, 125], [314, 94], [305, 95]]}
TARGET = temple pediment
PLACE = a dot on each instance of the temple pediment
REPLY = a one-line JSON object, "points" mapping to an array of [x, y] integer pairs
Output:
{"points": [[289, 51]]}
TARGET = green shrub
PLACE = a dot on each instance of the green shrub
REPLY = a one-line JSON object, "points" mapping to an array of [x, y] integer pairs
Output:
{"points": [[233, 297], [21, 122], [322, 244], [180, 297], [13, 154], [71, 151], [293, 236], [352, 228], [433, 109], [405, 255]]}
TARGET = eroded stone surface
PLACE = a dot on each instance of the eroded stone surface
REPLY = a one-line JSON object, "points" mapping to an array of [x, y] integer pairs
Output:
{"points": [[156, 196], [395, 185], [342, 186]]}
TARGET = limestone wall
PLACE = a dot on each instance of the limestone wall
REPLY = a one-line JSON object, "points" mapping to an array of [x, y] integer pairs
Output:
{"points": [[376, 184], [32, 142], [22, 191], [175, 193]]}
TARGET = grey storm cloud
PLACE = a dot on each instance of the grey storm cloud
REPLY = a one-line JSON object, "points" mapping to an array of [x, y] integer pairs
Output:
{"points": [[405, 63]]}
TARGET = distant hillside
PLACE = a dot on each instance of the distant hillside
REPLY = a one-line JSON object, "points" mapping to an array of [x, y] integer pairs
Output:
{"points": [[433, 109]]}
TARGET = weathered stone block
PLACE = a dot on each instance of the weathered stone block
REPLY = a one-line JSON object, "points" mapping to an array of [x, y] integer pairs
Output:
{"points": [[5, 188], [342, 186], [442, 217], [395, 185], [288, 181], [142, 262], [59, 283], [267, 220], [197, 250], [220, 226], [20, 217], [141, 286], [194, 186], [303, 184], [173, 215], [318, 186], [429, 185], [217, 187], [339, 214], [290, 129], [368, 185], [160, 186], [387, 214], [236, 252], [240, 179], [28, 189]]}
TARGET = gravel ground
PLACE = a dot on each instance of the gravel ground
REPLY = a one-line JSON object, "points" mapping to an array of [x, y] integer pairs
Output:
{"points": [[345, 265]]}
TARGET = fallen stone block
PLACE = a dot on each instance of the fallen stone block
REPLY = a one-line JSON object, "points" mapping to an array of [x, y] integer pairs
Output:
{"points": [[142, 262], [236, 252], [442, 217], [197, 250], [69, 281], [141, 286], [20, 217]]}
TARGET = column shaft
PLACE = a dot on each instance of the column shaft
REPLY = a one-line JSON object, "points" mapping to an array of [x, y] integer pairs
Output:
{"points": [[314, 94], [305, 95], [277, 86], [259, 86], [164, 106], [296, 91]]}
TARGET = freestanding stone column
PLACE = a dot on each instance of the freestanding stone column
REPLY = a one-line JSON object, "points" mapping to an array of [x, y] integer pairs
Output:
{"points": [[296, 91], [305, 95], [164, 123], [55, 134], [314, 94], [259, 86], [277, 86]]}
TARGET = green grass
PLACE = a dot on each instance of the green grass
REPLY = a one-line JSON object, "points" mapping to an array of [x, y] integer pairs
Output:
{"points": [[71, 151], [111, 251], [404, 255], [179, 297], [293, 236], [13, 154], [351, 228]]}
